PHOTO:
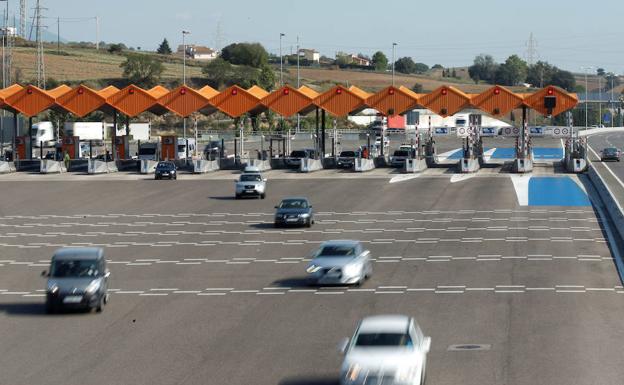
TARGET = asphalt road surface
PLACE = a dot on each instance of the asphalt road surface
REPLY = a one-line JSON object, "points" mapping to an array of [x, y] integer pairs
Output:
{"points": [[207, 292], [599, 142]]}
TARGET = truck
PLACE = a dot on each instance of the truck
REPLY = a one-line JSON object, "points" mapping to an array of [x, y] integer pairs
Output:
{"points": [[182, 152], [139, 131], [149, 151], [85, 130], [43, 132]]}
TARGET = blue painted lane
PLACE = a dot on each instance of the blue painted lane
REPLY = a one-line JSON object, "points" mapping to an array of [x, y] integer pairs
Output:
{"points": [[504, 153], [546, 153], [556, 191], [457, 154]]}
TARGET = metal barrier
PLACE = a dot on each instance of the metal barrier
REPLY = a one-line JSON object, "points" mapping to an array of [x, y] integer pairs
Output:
{"points": [[415, 165]]}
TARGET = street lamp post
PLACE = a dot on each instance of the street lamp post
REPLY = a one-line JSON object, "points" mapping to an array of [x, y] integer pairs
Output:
{"points": [[281, 61], [586, 93], [298, 85], [393, 48], [184, 33], [599, 103]]}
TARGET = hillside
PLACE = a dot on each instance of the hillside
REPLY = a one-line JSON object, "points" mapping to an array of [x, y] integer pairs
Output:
{"points": [[88, 65]]}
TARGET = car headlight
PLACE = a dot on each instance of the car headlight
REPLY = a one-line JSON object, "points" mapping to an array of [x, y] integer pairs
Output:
{"points": [[304, 215], [351, 269], [313, 269], [353, 372], [405, 374], [93, 287], [53, 289]]}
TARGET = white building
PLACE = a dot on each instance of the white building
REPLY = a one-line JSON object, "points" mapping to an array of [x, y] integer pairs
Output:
{"points": [[421, 118], [199, 52], [8, 31], [310, 54]]}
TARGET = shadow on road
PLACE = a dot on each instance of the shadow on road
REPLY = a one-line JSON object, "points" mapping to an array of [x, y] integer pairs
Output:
{"points": [[309, 381], [224, 198], [263, 225], [294, 282], [34, 309]]}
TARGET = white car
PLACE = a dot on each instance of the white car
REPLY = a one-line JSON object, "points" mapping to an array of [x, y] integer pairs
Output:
{"points": [[385, 349], [249, 184]]}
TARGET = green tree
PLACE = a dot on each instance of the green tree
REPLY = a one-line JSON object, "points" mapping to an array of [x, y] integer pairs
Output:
{"points": [[266, 79], [164, 48], [512, 72], [218, 72], [405, 65], [117, 48], [142, 70], [380, 61], [611, 81], [421, 68], [418, 88], [249, 54], [540, 74], [600, 72], [563, 79], [484, 68], [437, 67]]}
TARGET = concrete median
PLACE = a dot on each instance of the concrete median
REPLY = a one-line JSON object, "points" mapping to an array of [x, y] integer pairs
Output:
{"points": [[48, 166], [201, 166], [101, 167], [467, 165], [263, 165], [310, 165], [363, 164], [6, 167], [148, 166], [415, 165]]}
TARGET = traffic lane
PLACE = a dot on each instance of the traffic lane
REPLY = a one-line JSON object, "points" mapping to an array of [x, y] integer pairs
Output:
{"points": [[269, 339], [599, 142]]}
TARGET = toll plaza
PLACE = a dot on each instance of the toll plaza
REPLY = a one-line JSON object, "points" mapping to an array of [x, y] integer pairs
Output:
{"points": [[274, 150]]}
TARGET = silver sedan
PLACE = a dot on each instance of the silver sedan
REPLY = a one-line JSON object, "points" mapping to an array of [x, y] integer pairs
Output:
{"points": [[340, 262]]}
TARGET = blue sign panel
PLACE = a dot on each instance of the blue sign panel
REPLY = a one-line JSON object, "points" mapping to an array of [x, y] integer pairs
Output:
{"points": [[441, 131]]}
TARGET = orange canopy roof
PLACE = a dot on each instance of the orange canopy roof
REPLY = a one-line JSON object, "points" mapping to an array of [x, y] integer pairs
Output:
{"points": [[393, 101], [30, 101], [340, 101], [81, 101], [445, 101], [131, 100], [183, 101], [564, 101], [288, 101], [497, 101], [236, 101]]}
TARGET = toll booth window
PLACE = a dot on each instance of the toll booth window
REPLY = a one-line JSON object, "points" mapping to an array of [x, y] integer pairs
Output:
{"points": [[147, 151], [413, 118], [181, 147]]}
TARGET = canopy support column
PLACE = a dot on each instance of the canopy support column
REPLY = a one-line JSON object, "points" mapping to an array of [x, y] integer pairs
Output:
{"points": [[323, 134]]}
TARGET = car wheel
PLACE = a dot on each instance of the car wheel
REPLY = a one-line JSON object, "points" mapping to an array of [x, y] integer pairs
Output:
{"points": [[100, 305], [276, 225], [262, 196], [308, 223], [106, 299], [49, 308], [237, 196]]}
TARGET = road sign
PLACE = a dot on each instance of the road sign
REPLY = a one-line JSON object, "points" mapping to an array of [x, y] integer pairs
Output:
{"points": [[536, 131], [489, 131], [441, 131]]}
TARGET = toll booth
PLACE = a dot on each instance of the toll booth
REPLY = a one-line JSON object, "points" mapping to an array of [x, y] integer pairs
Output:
{"points": [[23, 148], [169, 147], [122, 147], [71, 145]]}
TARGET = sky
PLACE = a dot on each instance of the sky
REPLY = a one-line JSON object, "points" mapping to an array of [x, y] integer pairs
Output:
{"points": [[569, 33]]}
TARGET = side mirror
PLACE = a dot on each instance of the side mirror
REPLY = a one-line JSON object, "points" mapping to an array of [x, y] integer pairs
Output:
{"points": [[343, 345], [107, 274], [426, 344], [44, 273]]}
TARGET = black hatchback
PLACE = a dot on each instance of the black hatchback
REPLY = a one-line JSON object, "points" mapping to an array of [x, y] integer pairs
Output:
{"points": [[294, 211], [610, 153], [166, 170]]}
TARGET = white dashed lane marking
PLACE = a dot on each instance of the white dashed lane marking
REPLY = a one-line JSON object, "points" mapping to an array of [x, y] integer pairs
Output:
{"points": [[440, 289]]}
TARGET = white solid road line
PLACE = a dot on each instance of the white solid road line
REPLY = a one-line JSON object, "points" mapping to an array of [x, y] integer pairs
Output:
{"points": [[606, 166]]}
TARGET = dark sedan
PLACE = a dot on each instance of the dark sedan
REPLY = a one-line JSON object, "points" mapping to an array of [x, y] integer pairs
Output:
{"points": [[166, 170], [610, 153], [346, 159], [294, 211]]}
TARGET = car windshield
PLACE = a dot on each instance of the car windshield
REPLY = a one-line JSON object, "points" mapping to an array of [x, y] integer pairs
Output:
{"points": [[181, 147], [401, 153], [75, 268], [298, 154], [250, 178], [383, 339], [337, 251], [610, 150], [348, 154], [293, 204], [164, 166]]}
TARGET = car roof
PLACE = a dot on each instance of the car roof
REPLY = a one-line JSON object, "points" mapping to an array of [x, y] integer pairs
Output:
{"points": [[71, 253], [340, 242], [295, 198], [390, 323]]}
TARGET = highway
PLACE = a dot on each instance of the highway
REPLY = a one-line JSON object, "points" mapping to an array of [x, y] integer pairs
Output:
{"points": [[207, 292]]}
